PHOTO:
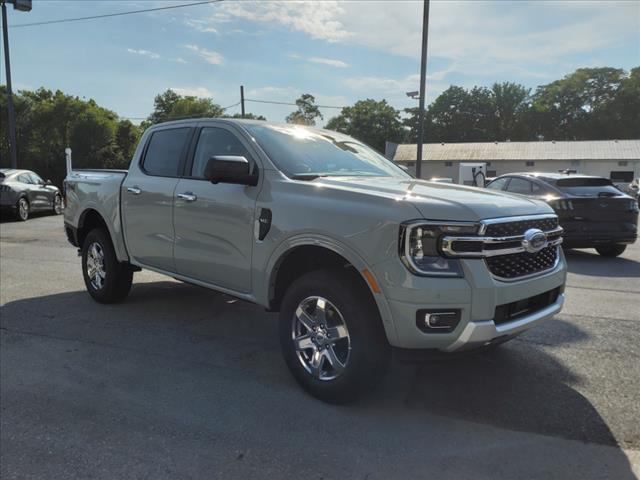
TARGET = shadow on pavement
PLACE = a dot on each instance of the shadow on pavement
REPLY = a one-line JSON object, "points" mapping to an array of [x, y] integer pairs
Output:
{"points": [[589, 262], [176, 353]]}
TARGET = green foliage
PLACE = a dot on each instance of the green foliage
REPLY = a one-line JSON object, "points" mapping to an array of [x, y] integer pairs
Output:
{"points": [[307, 111], [369, 121], [47, 122], [171, 106], [585, 104]]}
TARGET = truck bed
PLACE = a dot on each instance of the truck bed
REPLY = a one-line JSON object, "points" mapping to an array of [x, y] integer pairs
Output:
{"points": [[97, 190]]}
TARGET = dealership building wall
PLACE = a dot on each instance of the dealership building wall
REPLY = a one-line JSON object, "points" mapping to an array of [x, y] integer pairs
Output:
{"points": [[618, 160]]}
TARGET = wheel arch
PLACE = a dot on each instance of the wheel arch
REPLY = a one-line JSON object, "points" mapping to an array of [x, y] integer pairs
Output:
{"points": [[300, 256], [91, 218]]}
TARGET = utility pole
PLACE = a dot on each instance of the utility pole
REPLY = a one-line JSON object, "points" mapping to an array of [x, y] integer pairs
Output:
{"points": [[23, 6], [242, 100], [423, 75], [11, 130]]}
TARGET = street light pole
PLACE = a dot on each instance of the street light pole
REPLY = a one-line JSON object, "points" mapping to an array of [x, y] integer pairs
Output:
{"points": [[11, 131], [423, 74]]}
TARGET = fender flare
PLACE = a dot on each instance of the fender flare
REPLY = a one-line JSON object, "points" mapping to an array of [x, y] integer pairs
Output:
{"points": [[317, 240]]}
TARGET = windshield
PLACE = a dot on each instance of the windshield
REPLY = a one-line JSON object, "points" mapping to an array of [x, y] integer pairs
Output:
{"points": [[588, 187], [307, 153]]}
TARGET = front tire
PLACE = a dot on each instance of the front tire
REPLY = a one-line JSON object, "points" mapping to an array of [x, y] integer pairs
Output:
{"points": [[332, 337], [22, 209], [106, 279], [611, 251], [57, 204]]}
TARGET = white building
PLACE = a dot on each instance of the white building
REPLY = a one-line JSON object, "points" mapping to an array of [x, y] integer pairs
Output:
{"points": [[618, 160]]}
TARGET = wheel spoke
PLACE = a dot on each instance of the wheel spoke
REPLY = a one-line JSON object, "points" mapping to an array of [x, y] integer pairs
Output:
{"points": [[321, 312], [333, 360], [307, 320], [337, 333], [315, 363], [303, 343]]}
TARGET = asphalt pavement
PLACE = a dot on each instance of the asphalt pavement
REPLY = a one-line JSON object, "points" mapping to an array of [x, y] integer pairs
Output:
{"points": [[182, 382]]}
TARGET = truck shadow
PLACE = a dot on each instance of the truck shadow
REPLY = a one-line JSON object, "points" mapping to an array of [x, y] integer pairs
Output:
{"points": [[589, 262], [203, 339]]}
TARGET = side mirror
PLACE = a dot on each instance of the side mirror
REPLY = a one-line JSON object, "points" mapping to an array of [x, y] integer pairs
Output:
{"points": [[48, 182], [230, 169]]}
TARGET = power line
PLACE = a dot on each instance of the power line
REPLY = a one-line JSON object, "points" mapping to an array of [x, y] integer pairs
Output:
{"points": [[224, 109], [119, 14], [288, 103]]}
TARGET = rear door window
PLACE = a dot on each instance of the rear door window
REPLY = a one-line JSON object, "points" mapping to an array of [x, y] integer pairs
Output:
{"points": [[25, 178], [498, 183], [165, 151], [519, 185]]}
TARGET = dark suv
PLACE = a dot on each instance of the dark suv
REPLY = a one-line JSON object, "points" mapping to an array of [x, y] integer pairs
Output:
{"points": [[592, 211]]}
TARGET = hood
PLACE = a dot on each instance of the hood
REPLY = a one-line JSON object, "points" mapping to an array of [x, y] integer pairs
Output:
{"points": [[441, 201]]}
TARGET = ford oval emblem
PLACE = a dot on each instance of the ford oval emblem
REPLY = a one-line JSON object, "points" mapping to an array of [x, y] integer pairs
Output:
{"points": [[534, 240]]}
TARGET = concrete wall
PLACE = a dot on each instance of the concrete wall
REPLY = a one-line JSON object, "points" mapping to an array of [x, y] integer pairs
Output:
{"points": [[601, 168]]}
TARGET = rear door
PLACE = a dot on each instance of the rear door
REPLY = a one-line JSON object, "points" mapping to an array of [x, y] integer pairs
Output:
{"points": [[147, 197], [42, 194], [520, 186], [214, 223]]}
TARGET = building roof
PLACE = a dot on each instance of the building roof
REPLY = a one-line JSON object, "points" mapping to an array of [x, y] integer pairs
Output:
{"points": [[490, 151]]}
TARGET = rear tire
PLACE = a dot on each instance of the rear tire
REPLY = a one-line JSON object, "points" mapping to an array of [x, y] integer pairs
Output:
{"points": [[342, 350], [107, 280], [22, 209], [612, 250]]}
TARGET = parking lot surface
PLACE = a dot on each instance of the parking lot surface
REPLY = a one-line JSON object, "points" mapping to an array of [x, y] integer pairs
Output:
{"points": [[182, 382]]}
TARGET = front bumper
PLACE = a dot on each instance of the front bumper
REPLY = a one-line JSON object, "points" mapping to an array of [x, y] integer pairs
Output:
{"points": [[476, 296]]}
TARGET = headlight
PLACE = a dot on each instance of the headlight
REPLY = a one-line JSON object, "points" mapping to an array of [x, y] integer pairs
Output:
{"points": [[419, 246]]}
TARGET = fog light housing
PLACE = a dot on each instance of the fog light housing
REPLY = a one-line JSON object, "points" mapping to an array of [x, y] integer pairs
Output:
{"points": [[438, 321]]}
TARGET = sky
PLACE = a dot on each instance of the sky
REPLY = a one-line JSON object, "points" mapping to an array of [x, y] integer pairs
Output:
{"points": [[340, 52]]}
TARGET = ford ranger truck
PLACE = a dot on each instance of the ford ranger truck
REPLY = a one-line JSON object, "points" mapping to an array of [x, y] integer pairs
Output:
{"points": [[356, 255]]}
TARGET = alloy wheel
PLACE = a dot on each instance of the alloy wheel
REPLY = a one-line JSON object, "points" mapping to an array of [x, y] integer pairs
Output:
{"points": [[23, 208], [95, 265], [320, 337]]}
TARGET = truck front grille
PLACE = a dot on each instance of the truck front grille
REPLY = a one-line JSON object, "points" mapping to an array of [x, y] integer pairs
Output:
{"points": [[523, 264], [509, 229]]}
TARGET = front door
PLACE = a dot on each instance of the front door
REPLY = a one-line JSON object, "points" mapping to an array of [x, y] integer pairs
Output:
{"points": [[214, 223], [147, 198]]}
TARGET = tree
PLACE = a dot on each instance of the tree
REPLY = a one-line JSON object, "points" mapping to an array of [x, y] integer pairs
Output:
{"points": [[510, 102], [371, 122], [171, 106], [47, 122], [579, 106], [307, 111]]}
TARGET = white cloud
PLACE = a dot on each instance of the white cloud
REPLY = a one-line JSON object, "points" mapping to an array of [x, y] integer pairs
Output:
{"points": [[321, 60], [201, 25], [179, 60], [202, 92], [144, 53], [209, 56], [329, 61], [481, 39], [317, 19]]}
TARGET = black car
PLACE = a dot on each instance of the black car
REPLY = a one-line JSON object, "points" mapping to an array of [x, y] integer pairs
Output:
{"points": [[592, 211], [23, 192]]}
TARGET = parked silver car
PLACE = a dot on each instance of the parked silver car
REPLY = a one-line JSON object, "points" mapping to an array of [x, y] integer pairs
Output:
{"points": [[355, 254], [23, 192]]}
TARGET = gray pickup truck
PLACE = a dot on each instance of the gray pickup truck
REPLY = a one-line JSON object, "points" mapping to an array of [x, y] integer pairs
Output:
{"points": [[356, 255]]}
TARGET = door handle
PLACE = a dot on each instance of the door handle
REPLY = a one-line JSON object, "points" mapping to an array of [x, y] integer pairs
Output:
{"points": [[187, 197], [134, 190]]}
